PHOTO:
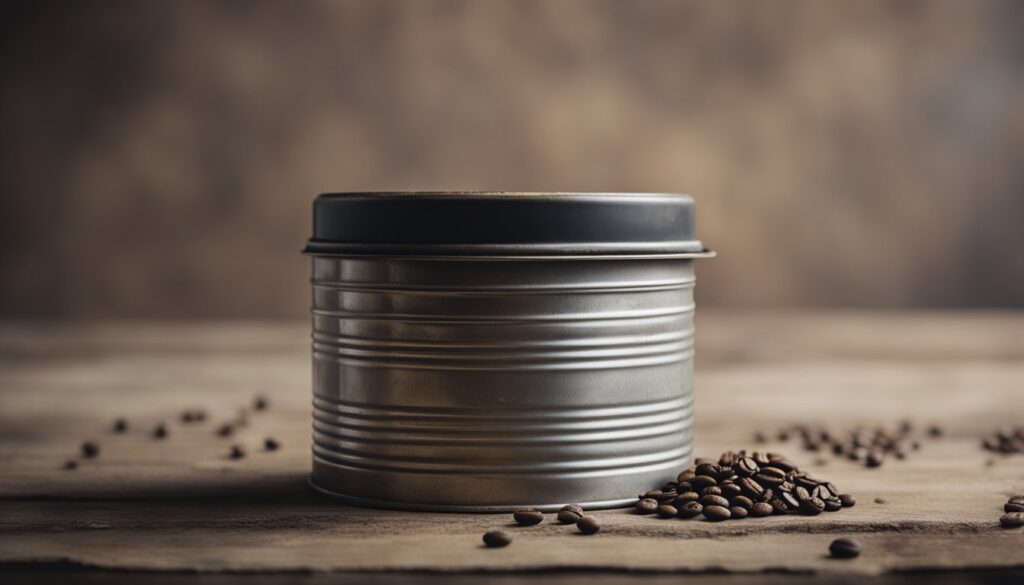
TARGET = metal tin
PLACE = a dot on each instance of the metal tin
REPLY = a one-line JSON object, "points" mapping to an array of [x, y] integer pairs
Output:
{"points": [[492, 381]]}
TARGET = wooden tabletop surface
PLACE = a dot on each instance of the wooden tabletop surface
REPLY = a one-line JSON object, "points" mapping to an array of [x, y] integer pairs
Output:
{"points": [[181, 504]]}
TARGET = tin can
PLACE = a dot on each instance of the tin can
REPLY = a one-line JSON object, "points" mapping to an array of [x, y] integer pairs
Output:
{"points": [[490, 351]]}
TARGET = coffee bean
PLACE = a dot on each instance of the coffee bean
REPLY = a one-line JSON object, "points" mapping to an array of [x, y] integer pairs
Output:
{"points": [[160, 431], [708, 469], [935, 431], [703, 481], [1014, 504], [528, 516], [260, 403], [225, 430], [588, 525], [70, 464], [1012, 520], [570, 514], [717, 513], [713, 500], [120, 425], [271, 444], [742, 502], [750, 487], [881, 501], [812, 506], [237, 452], [770, 476], [730, 489], [844, 548], [497, 538], [90, 449], [875, 458], [801, 493], [685, 497], [760, 458], [833, 505], [746, 467], [779, 506], [646, 506], [667, 511], [791, 502], [823, 492], [685, 475], [690, 510], [761, 509], [760, 437], [738, 512]]}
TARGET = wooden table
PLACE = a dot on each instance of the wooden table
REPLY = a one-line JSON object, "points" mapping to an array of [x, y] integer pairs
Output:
{"points": [[164, 507]]}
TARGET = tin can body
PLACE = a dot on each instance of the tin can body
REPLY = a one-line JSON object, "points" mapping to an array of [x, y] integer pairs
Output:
{"points": [[488, 383]]}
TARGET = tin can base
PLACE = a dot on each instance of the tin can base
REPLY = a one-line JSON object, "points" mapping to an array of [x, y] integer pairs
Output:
{"points": [[386, 505]]}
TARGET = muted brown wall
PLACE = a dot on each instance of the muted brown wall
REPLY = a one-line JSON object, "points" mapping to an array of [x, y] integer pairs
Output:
{"points": [[158, 159]]}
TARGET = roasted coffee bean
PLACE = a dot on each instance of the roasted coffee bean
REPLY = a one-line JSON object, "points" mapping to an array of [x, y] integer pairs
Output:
{"points": [[881, 501], [761, 509], [833, 505], [770, 476], [588, 525], [786, 486], [237, 452], [717, 513], [782, 435], [875, 458], [708, 469], [741, 501], [728, 459], [750, 487], [271, 444], [812, 506], [791, 502], [767, 495], [90, 449], [1011, 520], [702, 460], [1014, 504], [685, 497], [497, 538], [760, 458], [528, 516], [935, 431], [667, 511], [656, 495], [738, 512], [712, 490], [225, 430], [685, 475], [712, 500], [571, 513], [730, 490], [779, 506], [160, 431], [260, 403], [784, 464], [120, 425], [746, 467], [823, 492], [801, 493], [703, 481], [70, 464], [760, 438], [647, 505], [690, 510], [844, 548]]}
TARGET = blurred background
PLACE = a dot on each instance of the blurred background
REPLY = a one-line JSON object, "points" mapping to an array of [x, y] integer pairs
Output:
{"points": [[159, 159]]}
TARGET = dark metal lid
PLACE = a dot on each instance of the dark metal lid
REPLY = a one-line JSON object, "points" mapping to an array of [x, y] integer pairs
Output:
{"points": [[502, 224]]}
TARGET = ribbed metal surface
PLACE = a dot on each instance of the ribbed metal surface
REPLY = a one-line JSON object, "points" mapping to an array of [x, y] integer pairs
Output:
{"points": [[488, 384]]}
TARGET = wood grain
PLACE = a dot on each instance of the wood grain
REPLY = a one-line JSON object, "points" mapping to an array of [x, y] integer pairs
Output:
{"points": [[181, 504]]}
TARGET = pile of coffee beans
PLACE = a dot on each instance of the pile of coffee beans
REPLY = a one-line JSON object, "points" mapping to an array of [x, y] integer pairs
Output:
{"points": [[1014, 516], [738, 485], [1007, 440], [869, 446]]}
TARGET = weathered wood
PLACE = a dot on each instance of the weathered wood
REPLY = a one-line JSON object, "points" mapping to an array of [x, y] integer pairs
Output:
{"points": [[182, 504]]}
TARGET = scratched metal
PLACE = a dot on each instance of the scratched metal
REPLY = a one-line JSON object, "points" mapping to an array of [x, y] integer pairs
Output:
{"points": [[487, 384]]}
